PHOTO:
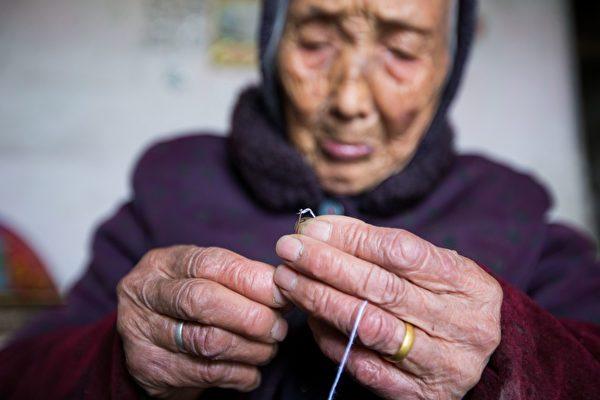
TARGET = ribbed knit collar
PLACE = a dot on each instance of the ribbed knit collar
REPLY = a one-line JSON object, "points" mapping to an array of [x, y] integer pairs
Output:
{"points": [[278, 177], [275, 172]]}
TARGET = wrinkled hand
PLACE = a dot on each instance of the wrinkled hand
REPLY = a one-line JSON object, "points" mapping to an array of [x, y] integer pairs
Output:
{"points": [[335, 263], [228, 303]]}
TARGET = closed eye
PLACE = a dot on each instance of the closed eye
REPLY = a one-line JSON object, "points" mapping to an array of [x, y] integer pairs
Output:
{"points": [[401, 54], [314, 45]]}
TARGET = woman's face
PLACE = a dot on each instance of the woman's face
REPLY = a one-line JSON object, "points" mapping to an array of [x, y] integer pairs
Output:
{"points": [[362, 80]]}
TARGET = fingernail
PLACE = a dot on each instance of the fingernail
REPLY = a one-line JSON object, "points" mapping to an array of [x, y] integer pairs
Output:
{"points": [[285, 278], [278, 297], [316, 229], [288, 248], [279, 330]]}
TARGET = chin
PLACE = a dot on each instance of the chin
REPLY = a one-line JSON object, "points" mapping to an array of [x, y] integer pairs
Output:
{"points": [[344, 184], [341, 188]]}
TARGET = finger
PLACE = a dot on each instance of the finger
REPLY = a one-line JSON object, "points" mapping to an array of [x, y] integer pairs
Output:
{"points": [[363, 279], [378, 330], [366, 366], [252, 279], [399, 251], [208, 303], [209, 342], [184, 371]]}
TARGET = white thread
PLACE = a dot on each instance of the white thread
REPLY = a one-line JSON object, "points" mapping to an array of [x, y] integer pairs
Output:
{"points": [[305, 211], [344, 360], [353, 333]]}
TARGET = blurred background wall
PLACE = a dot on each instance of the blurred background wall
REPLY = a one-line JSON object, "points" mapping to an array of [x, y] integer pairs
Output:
{"points": [[86, 85], [587, 33]]}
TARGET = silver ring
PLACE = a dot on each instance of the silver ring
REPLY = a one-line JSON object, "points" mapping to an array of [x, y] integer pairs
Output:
{"points": [[179, 337]]}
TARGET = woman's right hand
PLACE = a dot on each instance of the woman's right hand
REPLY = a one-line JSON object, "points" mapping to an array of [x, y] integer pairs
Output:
{"points": [[228, 304]]}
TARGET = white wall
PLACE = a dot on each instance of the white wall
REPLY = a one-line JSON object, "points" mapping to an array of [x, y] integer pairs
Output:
{"points": [[519, 103], [86, 85]]}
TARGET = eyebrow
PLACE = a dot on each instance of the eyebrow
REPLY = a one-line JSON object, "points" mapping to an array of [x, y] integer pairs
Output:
{"points": [[317, 14], [384, 23]]}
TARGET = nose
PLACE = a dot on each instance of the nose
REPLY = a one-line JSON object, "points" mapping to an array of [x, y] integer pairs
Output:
{"points": [[351, 95]]}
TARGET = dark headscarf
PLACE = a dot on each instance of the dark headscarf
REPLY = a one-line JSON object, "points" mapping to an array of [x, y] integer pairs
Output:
{"points": [[276, 172]]}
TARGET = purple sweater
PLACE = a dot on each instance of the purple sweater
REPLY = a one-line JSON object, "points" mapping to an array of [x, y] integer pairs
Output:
{"points": [[242, 193], [189, 191]]}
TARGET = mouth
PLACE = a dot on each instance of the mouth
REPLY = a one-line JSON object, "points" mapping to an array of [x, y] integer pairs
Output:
{"points": [[339, 151]]}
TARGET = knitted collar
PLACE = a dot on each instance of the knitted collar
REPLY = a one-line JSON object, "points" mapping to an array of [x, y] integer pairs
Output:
{"points": [[279, 178], [276, 174]]}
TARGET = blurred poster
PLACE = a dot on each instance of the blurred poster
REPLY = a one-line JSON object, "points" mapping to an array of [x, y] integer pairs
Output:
{"points": [[234, 30], [174, 24]]}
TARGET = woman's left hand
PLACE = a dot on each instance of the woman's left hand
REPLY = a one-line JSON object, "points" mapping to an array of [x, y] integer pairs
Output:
{"points": [[335, 263]]}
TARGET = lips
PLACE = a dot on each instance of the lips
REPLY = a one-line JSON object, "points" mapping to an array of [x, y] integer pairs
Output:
{"points": [[345, 151]]}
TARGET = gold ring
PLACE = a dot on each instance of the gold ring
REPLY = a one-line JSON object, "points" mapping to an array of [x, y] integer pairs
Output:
{"points": [[406, 346]]}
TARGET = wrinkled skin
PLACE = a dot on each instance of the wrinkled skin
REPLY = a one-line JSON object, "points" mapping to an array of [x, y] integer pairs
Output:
{"points": [[363, 76], [335, 263], [232, 325], [362, 80]]}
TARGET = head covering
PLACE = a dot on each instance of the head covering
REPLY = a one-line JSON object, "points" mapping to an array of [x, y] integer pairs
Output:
{"points": [[272, 24], [276, 173]]}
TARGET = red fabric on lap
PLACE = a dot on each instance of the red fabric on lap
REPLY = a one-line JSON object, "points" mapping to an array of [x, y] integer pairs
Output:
{"points": [[83, 362], [540, 356]]}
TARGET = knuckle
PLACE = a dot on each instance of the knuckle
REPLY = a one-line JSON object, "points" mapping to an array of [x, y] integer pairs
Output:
{"points": [[405, 248], [471, 379], [495, 292], [368, 372], [492, 336], [191, 260], [319, 300], [485, 334], [377, 330], [152, 257], [468, 375], [129, 289], [128, 285], [388, 290], [195, 261], [181, 303], [257, 323], [325, 263], [355, 236], [205, 261], [212, 343], [122, 287], [239, 276], [189, 294], [449, 266], [321, 259], [214, 373], [145, 290], [212, 257], [485, 290]]}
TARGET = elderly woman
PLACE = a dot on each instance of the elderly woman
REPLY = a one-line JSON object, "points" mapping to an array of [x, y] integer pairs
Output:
{"points": [[197, 289]]}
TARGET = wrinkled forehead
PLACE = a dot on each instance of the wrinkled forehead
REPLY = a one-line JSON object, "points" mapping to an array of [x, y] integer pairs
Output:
{"points": [[424, 15]]}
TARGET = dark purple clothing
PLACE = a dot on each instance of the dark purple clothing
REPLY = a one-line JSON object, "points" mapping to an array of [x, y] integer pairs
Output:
{"points": [[242, 194], [187, 192]]}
